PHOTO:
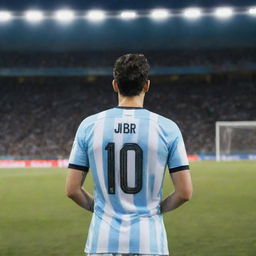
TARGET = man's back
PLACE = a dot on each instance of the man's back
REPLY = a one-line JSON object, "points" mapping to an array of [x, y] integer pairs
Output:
{"points": [[127, 150]]}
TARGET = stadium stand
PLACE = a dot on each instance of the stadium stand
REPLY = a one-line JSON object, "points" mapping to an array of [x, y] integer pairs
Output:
{"points": [[39, 116], [106, 58]]}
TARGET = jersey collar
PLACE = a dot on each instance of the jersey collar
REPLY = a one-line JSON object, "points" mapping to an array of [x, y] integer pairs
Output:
{"points": [[129, 107]]}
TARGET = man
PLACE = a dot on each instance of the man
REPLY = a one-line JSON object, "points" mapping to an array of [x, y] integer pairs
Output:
{"points": [[127, 149]]}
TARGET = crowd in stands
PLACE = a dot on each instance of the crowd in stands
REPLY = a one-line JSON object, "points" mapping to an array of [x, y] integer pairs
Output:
{"points": [[39, 116], [73, 59]]}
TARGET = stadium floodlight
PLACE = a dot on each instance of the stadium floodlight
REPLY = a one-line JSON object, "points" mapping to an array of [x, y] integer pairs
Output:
{"points": [[128, 15], [96, 15], [64, 15], [223, 12], [159, 14], [5, 16], [192, 13], [34, 15], [252, 11]]}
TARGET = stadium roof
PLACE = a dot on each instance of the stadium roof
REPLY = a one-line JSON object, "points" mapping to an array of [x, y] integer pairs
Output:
{"points": [[64, 31]]}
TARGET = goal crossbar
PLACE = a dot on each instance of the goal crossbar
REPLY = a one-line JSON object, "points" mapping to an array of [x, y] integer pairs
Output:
{"points": [[235, 123]]}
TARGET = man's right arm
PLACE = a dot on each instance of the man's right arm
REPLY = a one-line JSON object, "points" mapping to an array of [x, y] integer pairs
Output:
{"points": [[75, 191], [182, 191]]}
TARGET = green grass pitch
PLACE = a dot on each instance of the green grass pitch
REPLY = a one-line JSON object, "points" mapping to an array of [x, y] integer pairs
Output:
{"points": [[36, 218]]}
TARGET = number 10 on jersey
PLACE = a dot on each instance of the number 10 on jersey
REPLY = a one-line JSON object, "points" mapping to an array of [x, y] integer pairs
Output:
{"points": [[124, 172]]}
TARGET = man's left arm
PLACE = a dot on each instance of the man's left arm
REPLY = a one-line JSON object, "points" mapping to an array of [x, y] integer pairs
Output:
{"points": [[179, 170], [75, 191]]}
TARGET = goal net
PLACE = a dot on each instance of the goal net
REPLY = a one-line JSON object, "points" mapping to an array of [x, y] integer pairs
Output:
{"points": [[236, 140]]}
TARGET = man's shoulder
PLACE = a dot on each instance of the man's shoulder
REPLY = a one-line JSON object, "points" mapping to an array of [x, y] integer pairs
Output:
{"points": [[91, 119], [163, 121]]}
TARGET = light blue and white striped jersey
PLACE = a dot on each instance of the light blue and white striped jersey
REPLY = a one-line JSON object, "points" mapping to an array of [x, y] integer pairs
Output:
{"points": [[127, 150]]}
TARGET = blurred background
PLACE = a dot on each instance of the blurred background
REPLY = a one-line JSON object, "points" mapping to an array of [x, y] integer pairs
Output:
{"points": [[56, 60]]}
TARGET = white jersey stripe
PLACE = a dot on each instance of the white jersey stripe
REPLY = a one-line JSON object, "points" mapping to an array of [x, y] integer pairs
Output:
{"points": [[129, 138], [152, 236], [144, 235], [165, 237], [163, 248], [92, 226], [158, 232], [124, 237]]}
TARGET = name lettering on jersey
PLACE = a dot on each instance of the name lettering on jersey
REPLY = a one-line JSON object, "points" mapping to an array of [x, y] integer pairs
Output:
{"points": [[125, 128]]}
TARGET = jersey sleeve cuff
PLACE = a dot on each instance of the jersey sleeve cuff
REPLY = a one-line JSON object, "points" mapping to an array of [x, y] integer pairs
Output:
{"points": [[179, 168], [78, 167]]}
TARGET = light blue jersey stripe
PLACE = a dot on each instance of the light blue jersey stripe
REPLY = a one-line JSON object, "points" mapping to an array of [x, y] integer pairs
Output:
{"points": [[152, 231], [134, 245], [96, 233], [113, 239], [151, 184]]}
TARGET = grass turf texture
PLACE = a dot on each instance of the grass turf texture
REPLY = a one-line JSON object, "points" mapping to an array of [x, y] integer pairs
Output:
{"points": [[36, 218]]}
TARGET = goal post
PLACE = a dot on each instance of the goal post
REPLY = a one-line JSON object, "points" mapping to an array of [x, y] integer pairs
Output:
{"points": [[235, 140]]}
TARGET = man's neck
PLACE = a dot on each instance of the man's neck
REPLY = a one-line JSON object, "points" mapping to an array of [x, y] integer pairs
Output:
{"points": [[136, 101]]}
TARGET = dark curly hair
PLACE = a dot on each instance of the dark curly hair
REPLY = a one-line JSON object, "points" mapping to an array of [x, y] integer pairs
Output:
{"points": [[131, 73]]}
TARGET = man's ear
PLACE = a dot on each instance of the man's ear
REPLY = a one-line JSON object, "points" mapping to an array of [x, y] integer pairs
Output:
{"points": [[115, 86], [146, 86]]}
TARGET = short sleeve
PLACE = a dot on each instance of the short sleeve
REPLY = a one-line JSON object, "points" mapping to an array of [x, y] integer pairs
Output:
{"points": [[177, 156], [79, 157]]}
